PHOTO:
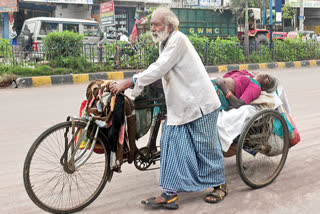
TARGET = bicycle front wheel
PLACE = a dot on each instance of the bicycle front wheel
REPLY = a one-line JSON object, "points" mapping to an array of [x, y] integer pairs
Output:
{"points": [[55, 189]]}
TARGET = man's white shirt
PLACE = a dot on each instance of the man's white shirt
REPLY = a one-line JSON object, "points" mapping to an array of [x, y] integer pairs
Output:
{"points": [[188, 90]]}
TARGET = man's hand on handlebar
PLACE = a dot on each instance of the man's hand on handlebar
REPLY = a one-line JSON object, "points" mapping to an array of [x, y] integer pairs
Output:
{"points": [[120, 86]]}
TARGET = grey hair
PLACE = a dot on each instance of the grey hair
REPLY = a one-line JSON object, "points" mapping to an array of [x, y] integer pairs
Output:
{"points": [[273, 85], [168, 15]]}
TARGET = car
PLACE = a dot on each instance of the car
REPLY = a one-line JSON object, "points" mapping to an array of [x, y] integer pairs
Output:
{"points": [[279, 35], [305, 35], [35, 29], [293, 35], [318, 37], [308, 35]]}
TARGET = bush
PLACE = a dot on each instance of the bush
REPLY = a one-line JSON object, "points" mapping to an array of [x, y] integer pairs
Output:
{"points": [[296, 49], [122, 55], [5, 68], [199, 43], [27, 71], [149, 49], [5, 48], [264, 55], [6, 55], [76, 63], [225, 51], [59, 45], [219, 51], [61, 71]]}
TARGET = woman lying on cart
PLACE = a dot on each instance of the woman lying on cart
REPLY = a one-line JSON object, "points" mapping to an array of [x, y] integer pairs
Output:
{"points": [[238, 88]]}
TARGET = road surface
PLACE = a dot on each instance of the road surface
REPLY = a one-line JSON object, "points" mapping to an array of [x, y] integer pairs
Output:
{"points": [[25, 113]]}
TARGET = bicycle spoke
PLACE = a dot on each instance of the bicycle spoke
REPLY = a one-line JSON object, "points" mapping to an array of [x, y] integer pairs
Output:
{"points": [[56, 189]]}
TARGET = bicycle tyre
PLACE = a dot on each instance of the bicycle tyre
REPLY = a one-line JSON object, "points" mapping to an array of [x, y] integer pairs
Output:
{"points": [[53, 189], [256, 164]]}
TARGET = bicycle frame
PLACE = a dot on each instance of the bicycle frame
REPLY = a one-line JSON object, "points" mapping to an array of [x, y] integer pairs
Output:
{"points": [[73, 163], [149, 154]]}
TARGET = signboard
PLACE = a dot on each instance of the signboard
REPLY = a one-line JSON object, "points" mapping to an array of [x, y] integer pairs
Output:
{"points": [[8, 6], [210, 3], [209, 31], [306, 3], [203, 3], [63, 1], [191, 3], [278, 17], [107, 14], [301, 17], [278, 11]]}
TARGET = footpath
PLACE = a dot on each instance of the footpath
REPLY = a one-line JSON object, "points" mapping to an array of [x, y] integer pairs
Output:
{"points": [[116, 75]]}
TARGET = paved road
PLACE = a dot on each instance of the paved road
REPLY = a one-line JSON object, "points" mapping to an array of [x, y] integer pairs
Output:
{"points": [[28, 112]]}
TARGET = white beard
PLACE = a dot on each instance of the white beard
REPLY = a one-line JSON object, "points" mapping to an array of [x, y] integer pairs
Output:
{"points": [[160, 36]]}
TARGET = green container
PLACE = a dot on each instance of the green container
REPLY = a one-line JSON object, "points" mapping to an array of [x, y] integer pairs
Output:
{"points": [[205, 22]]}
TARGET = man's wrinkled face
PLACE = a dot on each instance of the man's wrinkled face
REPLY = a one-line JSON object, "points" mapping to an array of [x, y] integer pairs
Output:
{"points": [[159, 29]]}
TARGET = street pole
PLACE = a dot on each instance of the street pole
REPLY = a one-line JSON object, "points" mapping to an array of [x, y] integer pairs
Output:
{"points": [[270, 24], [246, 32], [301, 20], [271, 30]]}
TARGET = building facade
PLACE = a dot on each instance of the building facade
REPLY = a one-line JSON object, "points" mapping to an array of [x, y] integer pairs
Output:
{"points": [[126, 11], [7, 9], [311, 13]]}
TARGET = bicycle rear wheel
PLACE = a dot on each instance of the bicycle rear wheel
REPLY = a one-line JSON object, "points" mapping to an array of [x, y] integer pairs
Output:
{"points": [[57, 190], [261, 154]]}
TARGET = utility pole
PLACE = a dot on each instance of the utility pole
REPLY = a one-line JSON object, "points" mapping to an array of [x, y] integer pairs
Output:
{"points": [[246, 32], [270, 24], [301, 18]]}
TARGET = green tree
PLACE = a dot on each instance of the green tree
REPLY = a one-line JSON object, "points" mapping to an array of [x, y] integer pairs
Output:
{"points": [[259, 3], [238, 5], [288, 11]]}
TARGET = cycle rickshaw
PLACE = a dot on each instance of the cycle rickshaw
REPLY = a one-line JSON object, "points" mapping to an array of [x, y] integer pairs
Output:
{"points": [[59, 177]]}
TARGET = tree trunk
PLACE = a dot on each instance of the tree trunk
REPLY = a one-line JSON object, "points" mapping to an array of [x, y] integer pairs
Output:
{"points": [[246, 32]]}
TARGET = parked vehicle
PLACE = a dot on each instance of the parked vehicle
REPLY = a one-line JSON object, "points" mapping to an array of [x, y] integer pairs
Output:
{"points": [[308, 35], [205, 22], [318, 37], [293, 35], [279, 35], [305, 35], [210, 23], [257, 35], [35, 29]]}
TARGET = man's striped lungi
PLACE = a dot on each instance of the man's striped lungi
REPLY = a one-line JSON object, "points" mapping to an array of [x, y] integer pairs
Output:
{"points": [[191, 156]]}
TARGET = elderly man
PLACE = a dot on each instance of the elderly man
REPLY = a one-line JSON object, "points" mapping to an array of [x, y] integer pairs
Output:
{"points": [[191, 155]]}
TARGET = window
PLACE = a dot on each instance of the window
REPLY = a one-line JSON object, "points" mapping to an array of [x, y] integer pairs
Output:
{"points": [[91, 30], [71, 27], [47, 27], [28, 28], [121, 18]]}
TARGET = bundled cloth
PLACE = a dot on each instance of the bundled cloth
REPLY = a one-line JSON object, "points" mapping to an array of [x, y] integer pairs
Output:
{"points": [[115, 114]]}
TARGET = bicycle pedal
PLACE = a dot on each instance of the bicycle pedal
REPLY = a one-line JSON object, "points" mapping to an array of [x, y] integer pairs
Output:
{"points": [[117, 170]]}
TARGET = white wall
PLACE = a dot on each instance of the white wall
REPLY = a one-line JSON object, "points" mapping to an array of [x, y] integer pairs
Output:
{"points": [[76, 11]]}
